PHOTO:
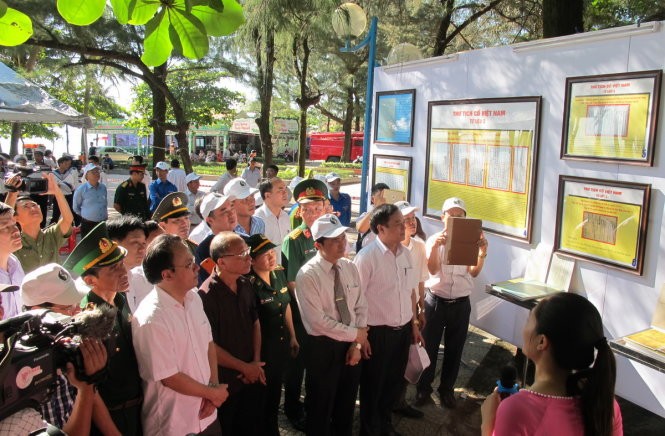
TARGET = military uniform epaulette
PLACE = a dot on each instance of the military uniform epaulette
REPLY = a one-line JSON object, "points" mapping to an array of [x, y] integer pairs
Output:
{"points": [[295, 233], [124, 184]]}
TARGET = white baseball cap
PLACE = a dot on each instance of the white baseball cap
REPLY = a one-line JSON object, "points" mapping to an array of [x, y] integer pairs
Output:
{"points": [[332, 176], [50, 283], [294, 182], [453, 202], [212, 201], [327, 226], [89, 167], [405, 207], [191, 177], [238, 188], [162, 166]]}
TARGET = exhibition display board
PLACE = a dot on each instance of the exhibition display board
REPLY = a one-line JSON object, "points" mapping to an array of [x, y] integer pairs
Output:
{"points": [[555, 142]]}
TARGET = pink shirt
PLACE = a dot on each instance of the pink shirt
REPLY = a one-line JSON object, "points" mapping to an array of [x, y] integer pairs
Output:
{"points": [[531, 413]]}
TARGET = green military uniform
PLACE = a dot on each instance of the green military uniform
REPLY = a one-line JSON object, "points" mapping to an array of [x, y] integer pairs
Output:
{"points": [[174, 205], [297, 249], [44, 250], [132, 199], [294, 218], [121, 391]]}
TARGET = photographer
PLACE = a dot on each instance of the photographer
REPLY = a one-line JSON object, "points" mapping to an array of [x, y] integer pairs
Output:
{"points": [[41, 200], [70, 407], [40, 246]]}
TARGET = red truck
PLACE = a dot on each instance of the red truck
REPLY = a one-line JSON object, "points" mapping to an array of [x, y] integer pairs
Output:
{"points": [[329, 146]]}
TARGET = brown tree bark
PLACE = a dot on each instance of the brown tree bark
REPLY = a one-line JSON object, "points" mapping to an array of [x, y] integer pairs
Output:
{"points": [[562, 17], [264, 51], [307, 97]]}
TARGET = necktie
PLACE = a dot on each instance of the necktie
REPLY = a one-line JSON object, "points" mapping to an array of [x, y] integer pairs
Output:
{"points": [[340, 300]]}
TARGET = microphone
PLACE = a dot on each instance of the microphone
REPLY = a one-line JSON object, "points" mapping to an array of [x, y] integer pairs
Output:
{"points": [[96, 323], [507, 384]]}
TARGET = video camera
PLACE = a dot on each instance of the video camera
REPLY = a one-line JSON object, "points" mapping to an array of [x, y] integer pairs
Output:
{"points": [[37, 343], [32, 181]]}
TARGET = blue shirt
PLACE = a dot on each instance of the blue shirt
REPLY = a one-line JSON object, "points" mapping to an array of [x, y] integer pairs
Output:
{"points": [[90, 202], [343, 206], [256, 227], [159, 190]]}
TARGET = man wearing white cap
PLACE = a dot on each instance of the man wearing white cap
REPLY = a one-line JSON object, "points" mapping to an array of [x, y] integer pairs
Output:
{"points": [[177, 175], [193, 182], [334, 313], [245, 206], [340, 202], [90, 199], [447, 308], [275, 196], [220, 215], [52, 287], [161, 187]]}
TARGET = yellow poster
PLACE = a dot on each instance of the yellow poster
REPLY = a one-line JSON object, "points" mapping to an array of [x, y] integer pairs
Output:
{"points": [[394, 171]]}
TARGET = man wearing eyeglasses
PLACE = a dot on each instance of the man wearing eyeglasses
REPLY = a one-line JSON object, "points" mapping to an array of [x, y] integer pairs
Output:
{"points": [[230, 305], [297, 249], [174, 347]]}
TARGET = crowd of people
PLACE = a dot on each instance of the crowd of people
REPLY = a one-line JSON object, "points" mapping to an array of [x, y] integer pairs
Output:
{"points": [[221, 305]]}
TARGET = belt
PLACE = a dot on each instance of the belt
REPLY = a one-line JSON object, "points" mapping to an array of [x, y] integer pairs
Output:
{"points": [[450, 300], [126, 404], [389, 327]]}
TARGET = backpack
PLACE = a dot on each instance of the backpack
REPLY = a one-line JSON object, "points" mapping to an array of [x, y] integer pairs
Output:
{"points": [[359, 241]]}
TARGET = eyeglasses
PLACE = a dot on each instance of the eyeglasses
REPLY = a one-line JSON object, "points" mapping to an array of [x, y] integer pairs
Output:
{"points": [[189, 265], [243, 255]]}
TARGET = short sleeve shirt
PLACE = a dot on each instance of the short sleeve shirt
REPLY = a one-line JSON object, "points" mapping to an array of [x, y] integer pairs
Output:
{"points": [[44, 250], [132, 199]]}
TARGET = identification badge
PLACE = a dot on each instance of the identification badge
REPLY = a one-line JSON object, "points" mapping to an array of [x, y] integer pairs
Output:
{"points": [[283, 290], [267, 300]]}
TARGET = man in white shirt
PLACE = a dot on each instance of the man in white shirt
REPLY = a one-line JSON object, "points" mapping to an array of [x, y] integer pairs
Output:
{"points": [[334, 313], [252, 174], [389, 280], [177, 176], [193, 192], [230, 174], [447, 308], [174, 347], [11, 272], [275, 197]]}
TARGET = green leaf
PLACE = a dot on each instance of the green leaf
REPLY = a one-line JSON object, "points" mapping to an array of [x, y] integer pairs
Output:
{"points": [[157, 46], [81, 12], [121, 10], [15, 28], [3, 8], [181, 5], [142, 11], [220, 24], [191, 34], [217, 5]]}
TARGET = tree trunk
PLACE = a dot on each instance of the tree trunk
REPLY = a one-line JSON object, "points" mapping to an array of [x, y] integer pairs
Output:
{"points": [[562, 17], [86, 111], [158, 118], [264, 45], [13, 142], [306, 99], [347, 126]]}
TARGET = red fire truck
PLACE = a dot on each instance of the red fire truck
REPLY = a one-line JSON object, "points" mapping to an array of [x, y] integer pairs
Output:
{"points": [[328, 146]]}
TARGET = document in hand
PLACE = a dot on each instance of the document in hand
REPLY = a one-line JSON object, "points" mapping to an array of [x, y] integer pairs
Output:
{"points": [[462, 241]]}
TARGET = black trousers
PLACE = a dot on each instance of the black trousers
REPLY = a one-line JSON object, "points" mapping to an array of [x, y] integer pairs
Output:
{"points": [[242, 412], [55, 216], [332, 387], [295, 370], [381, 379], [87, 226], [276, 357], [128, 421], [448, 319]]}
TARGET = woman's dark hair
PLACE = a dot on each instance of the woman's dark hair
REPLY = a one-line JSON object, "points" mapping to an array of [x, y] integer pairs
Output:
{"points": [[381, 216], [419, 230], [574, 329], [159, 256]]}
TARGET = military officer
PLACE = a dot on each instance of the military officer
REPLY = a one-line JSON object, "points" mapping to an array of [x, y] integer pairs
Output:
{"points": [[297, 249], [277, 333], [172, 215], [100, 263], [130, 196]]}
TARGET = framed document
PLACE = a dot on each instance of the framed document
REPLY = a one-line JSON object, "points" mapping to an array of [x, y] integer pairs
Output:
{"points": [[485, 152], [394, 171], [603, 221], [394, 117], [611, 117]]}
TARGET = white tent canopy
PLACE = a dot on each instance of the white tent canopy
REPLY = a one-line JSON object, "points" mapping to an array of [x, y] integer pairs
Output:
{"points": [[25, 102]]}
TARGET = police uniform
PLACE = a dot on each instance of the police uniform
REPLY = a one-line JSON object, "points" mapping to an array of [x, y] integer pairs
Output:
{"points": [[131, 198], [272, 301], [121, 390], [297, 249], [174, 205]]}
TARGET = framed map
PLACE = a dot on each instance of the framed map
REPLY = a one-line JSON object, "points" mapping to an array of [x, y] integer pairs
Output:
{"points": [[394, 117], [611, 117], [603, 221], [394, 171], [485, 152]]}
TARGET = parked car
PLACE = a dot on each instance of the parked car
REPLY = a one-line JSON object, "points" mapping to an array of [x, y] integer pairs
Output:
{"points": [[117, 154]]}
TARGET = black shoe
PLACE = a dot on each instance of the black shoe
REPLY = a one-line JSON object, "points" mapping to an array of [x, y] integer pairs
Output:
{"points": [[422, 398], [448, 399], [409, 412], [298, 423]]}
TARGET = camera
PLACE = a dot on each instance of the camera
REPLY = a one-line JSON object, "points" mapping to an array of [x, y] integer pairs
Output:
{"points": [[32, 181], [39, 342]]}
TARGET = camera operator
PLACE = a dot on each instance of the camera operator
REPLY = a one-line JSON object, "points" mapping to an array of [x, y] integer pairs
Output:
{"points": [[71, 405], [41, 200], [100, 263], [40, 246]]}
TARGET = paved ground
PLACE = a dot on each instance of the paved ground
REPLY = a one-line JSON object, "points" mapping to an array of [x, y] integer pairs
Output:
{"points": [[484, 356]]}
